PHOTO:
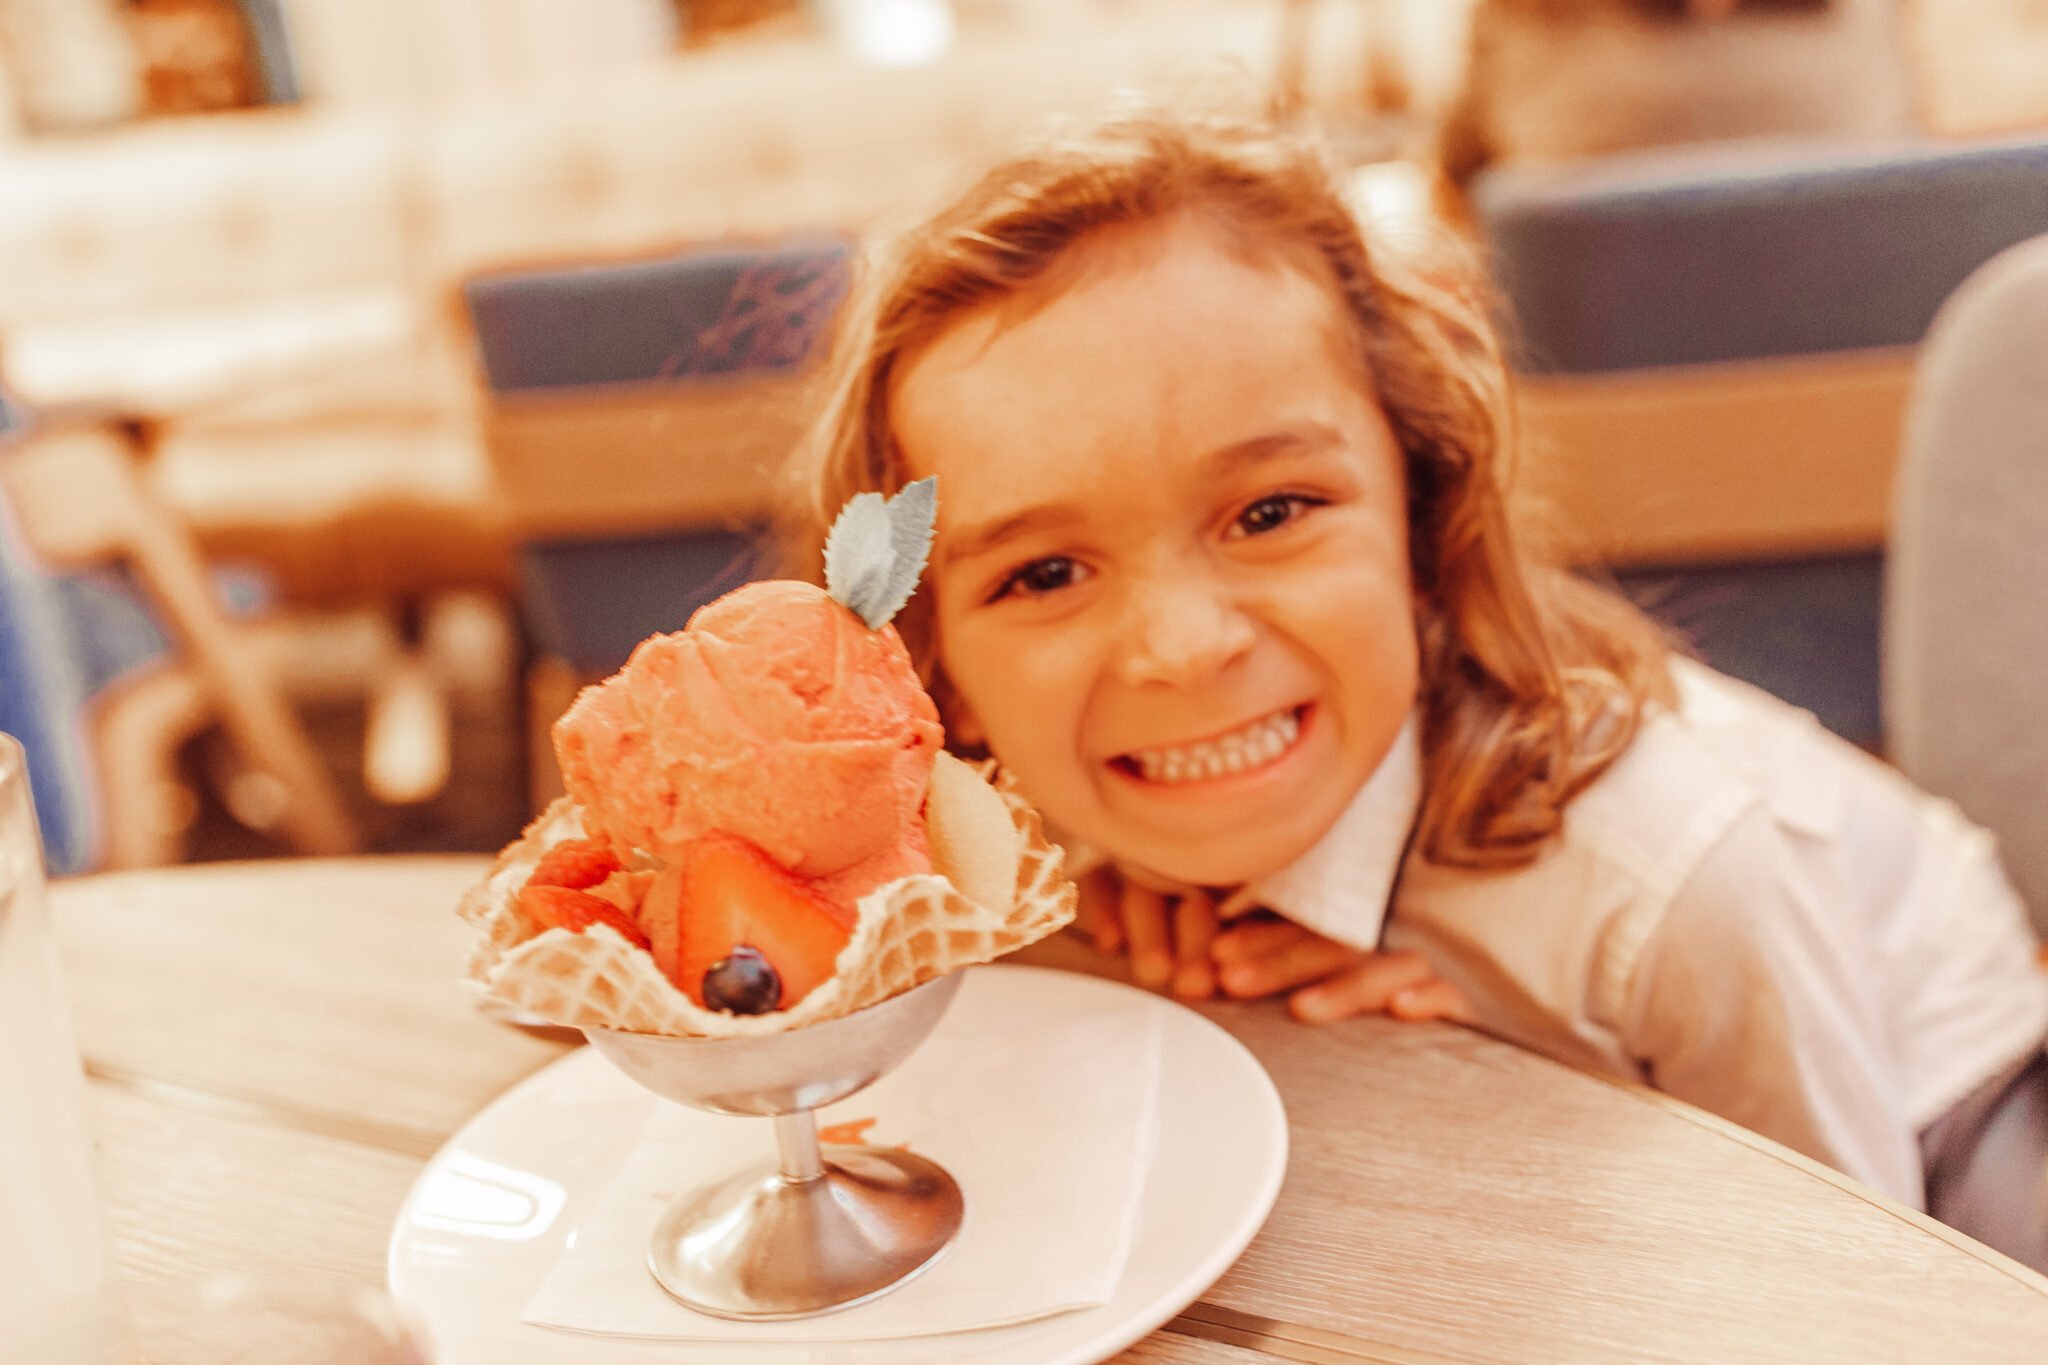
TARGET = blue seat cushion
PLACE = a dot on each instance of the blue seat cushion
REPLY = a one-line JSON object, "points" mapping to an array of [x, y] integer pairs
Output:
{"points": [[1748, 250], [695, 315], [590, 602], [65, 639], [1804, 630], [43, 693]]}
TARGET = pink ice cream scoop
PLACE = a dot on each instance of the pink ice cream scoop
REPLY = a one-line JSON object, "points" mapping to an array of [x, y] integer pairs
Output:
{"points": [[776, 714]]}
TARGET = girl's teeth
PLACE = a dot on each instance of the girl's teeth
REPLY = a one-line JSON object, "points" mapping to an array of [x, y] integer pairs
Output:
{"points": [[1254, 746]]}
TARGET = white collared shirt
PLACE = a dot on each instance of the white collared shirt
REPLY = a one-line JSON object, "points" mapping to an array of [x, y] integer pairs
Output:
{"points": [[1744, 911]]}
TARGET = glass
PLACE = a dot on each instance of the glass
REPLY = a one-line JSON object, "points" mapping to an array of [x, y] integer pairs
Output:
{"points": [[60, 1295]]}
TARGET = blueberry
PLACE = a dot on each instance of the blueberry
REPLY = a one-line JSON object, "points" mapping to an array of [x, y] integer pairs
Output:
{"points": [[743, 982]]}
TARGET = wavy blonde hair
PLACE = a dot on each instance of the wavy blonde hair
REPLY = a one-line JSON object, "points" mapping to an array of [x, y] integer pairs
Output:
{"points": [[1532, 680]]}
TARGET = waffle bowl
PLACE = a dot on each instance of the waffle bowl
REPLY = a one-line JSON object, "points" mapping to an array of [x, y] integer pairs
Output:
{"points": [[996, 886]]}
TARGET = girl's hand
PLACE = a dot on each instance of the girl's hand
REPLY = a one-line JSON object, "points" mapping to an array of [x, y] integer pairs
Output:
{"points": [[1177, 942], [1326, 980], [1168, 937]]}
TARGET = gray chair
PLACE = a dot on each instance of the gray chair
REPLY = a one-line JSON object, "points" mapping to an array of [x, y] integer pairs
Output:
{"points": [[1966, 591]]}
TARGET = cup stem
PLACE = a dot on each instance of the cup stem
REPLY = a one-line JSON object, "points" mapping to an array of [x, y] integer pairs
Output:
{"points": [[797, 1135]]}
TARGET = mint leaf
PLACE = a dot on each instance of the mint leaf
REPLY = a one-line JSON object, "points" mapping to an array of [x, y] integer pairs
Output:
{"points": [[877, 549]]}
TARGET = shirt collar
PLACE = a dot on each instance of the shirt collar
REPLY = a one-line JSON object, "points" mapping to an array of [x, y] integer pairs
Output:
{"points": [[1340, 887]]}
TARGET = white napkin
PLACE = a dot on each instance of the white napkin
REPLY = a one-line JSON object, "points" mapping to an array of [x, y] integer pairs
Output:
{"points": [[1050, 1136]]}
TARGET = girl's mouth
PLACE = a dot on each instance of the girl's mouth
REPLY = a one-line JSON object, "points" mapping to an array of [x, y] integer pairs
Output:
{"points": [[1247, 749]]}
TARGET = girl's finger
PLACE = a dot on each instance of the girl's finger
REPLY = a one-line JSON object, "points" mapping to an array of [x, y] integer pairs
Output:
{"points": [[1144, 917], [1366, 987], [1194, 929], [1430, 1000], [1095, 915], [1251, 939], [1309, 957]]}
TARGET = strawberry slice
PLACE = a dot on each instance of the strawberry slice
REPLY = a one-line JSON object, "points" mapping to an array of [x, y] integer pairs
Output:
{"points": [[564, 907], [625, 890], [728, 893], [575, 863]]}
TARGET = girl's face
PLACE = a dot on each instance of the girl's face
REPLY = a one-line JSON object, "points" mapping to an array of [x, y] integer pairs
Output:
{"points": [[1171, 572]]}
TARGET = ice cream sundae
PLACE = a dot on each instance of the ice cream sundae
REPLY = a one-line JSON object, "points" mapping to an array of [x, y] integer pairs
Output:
{"points": [[762, 828]]}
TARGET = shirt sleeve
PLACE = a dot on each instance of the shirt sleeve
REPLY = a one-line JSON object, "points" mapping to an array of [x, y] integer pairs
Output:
{"points": [[1752, 998]]}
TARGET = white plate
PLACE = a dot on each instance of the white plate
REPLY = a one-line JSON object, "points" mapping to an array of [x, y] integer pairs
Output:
{"points": [[528, 1166]]}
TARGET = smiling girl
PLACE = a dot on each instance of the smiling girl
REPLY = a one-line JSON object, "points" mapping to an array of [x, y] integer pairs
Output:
{"points": [[1224, 577]]}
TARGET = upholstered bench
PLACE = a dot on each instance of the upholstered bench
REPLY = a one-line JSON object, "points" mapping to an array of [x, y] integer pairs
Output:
{"points": [[1715, 346], [637, 416]]}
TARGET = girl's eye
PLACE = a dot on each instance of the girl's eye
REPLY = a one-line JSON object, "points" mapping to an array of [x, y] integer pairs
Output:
{"points": [[1039, 577], [1272, 512]]}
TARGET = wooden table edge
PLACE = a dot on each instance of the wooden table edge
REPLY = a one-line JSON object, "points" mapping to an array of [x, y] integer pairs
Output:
{"points": [[1756, 1142]]}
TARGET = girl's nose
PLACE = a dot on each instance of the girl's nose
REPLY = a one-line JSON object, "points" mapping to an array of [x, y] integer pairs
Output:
{"points": [[1181, 632]]}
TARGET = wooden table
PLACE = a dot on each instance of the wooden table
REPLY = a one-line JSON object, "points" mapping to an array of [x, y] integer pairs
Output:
{"points": [[275, 1049]]}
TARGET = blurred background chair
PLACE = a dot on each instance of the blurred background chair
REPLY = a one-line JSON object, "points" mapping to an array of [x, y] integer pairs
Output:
{"points": [[354, 478], [117, 647], [1715, 345], [246, 299], [637, 415], [1966, 590]]}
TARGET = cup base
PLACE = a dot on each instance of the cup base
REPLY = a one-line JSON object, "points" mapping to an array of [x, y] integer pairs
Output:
{"points": [[762, 1247]]}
